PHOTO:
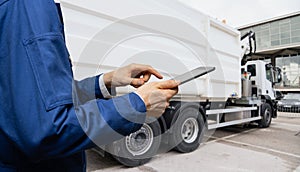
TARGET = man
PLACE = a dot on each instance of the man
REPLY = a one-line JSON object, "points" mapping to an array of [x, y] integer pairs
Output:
{"points": [[42, 126]]}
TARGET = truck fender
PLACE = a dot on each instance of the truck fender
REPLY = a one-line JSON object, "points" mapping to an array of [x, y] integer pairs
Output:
{"points": [[266, 97], [272, 103], [171, 116]]}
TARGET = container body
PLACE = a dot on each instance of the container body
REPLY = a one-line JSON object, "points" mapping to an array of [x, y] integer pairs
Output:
{"points": [[171, 37]]}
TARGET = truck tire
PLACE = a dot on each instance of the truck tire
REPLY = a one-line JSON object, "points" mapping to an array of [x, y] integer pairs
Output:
{"points": [[138, 148], [188, 130], [266, 114]]}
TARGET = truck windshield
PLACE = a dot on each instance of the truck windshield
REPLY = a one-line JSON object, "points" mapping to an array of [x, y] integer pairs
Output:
{"points": [[269, 75]]}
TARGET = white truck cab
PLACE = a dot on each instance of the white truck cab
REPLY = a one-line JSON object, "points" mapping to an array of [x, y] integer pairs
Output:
{"points": [[261, 77]]}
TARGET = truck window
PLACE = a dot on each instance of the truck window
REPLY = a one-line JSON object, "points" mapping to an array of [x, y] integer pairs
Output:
{"points": [[252, 69]]}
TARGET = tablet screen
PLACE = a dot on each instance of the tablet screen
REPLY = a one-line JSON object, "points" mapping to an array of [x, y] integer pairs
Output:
{"points": [[193, 74]]}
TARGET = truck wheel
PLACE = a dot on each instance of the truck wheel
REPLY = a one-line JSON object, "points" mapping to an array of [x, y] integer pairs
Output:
{"points": [[188, 130], [138, 148], [266, 114]]}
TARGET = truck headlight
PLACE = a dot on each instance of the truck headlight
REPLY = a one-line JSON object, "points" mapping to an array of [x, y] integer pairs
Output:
{"points": [[279, 103]]}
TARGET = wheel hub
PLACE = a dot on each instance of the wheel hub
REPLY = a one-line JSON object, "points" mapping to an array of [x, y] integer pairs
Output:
{"points": [[140, 142], [267, 115], [189, 130]]}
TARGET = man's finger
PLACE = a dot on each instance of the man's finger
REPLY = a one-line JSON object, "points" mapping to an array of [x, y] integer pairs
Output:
{"points": [[155, 73], [137, 82], [168, 84], [169, 93], [149, 69], [146, 76]]}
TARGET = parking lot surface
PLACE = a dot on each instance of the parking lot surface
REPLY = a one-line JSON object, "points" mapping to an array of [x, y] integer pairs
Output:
{"points": [[237, 148]]}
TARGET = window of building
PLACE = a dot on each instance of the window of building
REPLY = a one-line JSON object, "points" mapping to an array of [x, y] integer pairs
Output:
{"points": [[295, 39], [295, 19], [277, 33], [290, 67]]}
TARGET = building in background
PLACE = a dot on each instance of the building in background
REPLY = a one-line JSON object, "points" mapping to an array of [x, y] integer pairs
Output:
{"points": [[278, 41]]}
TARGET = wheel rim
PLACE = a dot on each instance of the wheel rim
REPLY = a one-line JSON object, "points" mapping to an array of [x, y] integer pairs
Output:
{"points": [[268, 115], [189, 130], [140, 142]]}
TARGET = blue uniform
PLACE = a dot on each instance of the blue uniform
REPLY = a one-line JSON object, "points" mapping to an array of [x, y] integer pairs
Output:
{"points": [[41, 129]]}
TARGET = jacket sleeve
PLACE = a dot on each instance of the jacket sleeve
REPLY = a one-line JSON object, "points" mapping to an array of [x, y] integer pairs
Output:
{"points": [[44, 113], [89, 89], [69, 129]]}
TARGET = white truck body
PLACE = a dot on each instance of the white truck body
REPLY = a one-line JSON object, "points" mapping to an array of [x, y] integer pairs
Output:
{"points": [[220, 48], [173, 38]]}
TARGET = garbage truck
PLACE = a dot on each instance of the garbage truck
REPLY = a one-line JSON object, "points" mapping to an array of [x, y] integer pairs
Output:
{"points": [[173, 38]]}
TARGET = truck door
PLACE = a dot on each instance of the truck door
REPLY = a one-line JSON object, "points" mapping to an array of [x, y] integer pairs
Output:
{"points": [[251, 68]]}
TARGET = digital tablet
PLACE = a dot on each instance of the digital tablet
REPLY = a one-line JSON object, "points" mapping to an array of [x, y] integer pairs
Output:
{"points": [[193, 74]]}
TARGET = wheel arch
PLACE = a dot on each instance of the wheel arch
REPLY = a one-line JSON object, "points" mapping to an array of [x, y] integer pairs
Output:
{"points": [[273, 104], [171, 115]]}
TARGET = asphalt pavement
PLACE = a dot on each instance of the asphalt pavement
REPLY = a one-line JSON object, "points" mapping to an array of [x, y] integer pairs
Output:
{"points": [[237, 148]]}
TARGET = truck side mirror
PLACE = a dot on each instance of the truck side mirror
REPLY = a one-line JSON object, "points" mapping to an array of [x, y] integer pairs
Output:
{"points": [[278, 75]]}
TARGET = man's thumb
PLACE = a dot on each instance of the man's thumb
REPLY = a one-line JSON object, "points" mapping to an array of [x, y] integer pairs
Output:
{"points": [[137, 82], [168, 84]]}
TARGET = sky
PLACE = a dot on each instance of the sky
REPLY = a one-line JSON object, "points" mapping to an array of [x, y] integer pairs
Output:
{"points": [[241, 12]]}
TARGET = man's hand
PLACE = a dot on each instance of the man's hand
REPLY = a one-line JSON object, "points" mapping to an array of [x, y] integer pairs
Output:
{"points": [[135, 75], [156, 96]]}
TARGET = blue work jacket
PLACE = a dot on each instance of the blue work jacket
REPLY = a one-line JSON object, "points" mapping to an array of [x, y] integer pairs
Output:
{"points": [[42, 126]]}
